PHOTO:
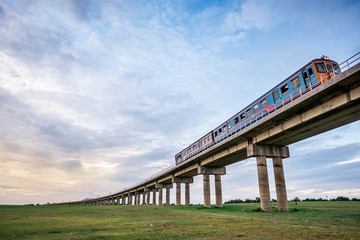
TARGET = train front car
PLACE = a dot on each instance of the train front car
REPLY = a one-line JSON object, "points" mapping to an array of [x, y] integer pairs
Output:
{"points": [[325, 69]]}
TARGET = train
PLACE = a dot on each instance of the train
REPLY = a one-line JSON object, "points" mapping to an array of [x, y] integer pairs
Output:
{"points": [[299, 83]]}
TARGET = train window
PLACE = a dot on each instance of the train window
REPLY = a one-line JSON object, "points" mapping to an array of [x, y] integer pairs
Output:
{"points": [[249, 112], [216, 134], [263, 103], [321, 67], [295, 83], [284, 89], [242, 116], [224, 128], [220, 130], [311, 72], [336, 68], [236, 120], [256, 108], [229, 125], [305, 75], [276, 95], [328, 66]]}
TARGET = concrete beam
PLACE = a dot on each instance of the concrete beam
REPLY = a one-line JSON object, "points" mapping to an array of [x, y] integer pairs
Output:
{"points": [[166, 179], [211, 170], [183, 180], [256, 150]]}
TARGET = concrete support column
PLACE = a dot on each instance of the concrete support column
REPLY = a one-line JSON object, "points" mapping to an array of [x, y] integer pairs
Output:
{"points": [[167, 202], [160, 196], [263, 184], [138, 198], [118, 200], [187, 194], [206, 183], [123, 200], [148, 198], [280, 185], [154, 196], [143, 198], [218, 191], [178, 194]]}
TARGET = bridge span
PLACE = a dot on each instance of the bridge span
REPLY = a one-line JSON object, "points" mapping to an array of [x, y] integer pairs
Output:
{"points": [[332, 104]]}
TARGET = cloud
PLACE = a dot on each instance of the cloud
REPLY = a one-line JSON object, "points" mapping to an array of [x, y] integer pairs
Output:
{"points": [[71, 165], [252, 14], [349, 161]]}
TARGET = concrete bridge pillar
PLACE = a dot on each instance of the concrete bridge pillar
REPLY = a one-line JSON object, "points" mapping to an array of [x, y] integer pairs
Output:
{"points": [[160, 187], [263, 184], [178, 181], [280, 185], [206, 185], [135, 197], [261, 152], [160, 196], [143, 198], [218, 191], [154, 196], [167, 201], [147, 192], [178, 194], [129, 199], [187, 194], [138, 198], [167, 193], [206, 172]]}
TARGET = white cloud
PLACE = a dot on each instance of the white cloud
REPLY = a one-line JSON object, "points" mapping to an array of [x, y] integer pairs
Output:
{"points": [[252, 14], [349, 161]]}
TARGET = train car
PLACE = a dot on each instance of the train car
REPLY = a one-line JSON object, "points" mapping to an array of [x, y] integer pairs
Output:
{"points": [[200, 145], [306, 78]]}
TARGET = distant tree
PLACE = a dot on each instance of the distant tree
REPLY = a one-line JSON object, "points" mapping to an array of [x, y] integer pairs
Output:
{"points": [[341, 198]]}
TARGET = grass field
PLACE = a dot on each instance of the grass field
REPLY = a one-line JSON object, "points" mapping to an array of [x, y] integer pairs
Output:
{"points": [[307, 220]]}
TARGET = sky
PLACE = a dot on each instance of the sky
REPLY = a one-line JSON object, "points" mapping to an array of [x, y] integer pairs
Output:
{"points": [[96, 96]]}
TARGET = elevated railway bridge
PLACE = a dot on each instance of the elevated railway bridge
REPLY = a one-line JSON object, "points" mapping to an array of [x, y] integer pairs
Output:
{"points": [[332, 104]]}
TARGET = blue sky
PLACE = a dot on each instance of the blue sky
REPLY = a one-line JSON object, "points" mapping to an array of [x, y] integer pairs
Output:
{"points": [[96, 96]]}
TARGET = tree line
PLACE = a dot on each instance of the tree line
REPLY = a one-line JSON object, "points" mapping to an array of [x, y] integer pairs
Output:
{"points": [[296, 199]]}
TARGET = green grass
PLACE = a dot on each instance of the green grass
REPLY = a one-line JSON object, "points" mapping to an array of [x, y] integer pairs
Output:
{"points": [[307, 220]]}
